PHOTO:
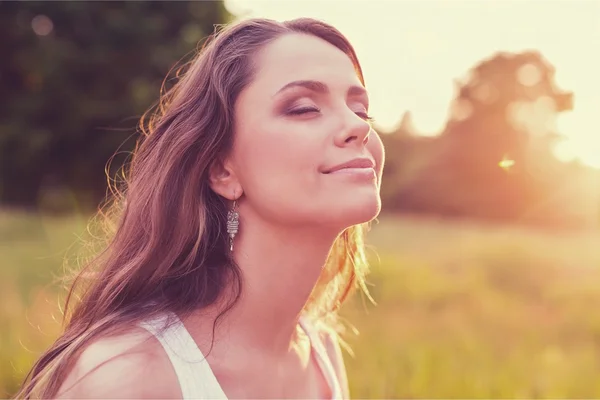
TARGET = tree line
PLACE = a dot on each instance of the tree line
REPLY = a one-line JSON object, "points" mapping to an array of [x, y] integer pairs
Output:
{"points": [[76, 76]]}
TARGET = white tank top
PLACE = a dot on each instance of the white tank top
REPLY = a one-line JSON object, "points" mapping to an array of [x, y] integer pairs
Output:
{"points": [[196, 378]]}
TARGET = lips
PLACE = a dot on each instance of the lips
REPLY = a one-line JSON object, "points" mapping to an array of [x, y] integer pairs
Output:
{"points": [[357, 163]]}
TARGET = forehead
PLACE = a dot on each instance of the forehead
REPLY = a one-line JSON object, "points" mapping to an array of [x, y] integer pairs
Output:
{"points": [[299, 56]]}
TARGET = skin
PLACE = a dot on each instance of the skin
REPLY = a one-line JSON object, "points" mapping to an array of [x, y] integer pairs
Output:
{"points": [[291, 212]]}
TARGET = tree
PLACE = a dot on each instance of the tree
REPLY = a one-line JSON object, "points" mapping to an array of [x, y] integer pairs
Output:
{"points": [[75, 77], [493, 159]]}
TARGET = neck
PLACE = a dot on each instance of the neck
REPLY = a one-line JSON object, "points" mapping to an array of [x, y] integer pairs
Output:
{"points": [[280, 268]]}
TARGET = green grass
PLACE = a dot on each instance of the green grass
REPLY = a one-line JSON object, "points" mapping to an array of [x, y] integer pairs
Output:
{"points": [[464, 310], [32, 252], [467, 311]]}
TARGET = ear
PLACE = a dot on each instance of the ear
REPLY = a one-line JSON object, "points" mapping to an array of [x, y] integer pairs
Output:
{"points": [[223, 180]]}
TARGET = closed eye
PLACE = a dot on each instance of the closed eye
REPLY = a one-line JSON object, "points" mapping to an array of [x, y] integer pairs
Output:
{"points": [[364, 116], [304, 110]]}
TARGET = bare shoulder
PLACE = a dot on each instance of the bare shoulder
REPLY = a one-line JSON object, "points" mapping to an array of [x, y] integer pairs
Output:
{"points": [[129, 365]]}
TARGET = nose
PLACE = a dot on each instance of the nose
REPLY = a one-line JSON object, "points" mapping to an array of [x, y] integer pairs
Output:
{"points": [[355, 132]]}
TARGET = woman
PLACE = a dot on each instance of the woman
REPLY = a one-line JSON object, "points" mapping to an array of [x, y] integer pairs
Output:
{"points": [[240, 233]]}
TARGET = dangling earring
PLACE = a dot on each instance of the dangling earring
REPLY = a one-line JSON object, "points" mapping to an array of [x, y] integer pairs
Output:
{"points": [[233, 223]]}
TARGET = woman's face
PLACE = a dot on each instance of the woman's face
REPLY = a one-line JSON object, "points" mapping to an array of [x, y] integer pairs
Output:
{"points": [[298, 122]]}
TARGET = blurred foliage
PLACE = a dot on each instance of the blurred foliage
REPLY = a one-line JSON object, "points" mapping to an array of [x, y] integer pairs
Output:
{"points": [[494, 159], [80, 74], [494, 311], [76, 76]]}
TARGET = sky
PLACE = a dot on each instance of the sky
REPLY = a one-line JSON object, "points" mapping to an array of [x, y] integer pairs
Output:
{"points": [[411, 52]]}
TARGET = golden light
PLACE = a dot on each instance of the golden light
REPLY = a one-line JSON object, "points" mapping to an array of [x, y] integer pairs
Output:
{"points": [[506, 163], [536, 117], [409, 68], [583, 143]]}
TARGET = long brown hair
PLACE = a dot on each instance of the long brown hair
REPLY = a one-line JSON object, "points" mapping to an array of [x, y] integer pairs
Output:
{"points": [[169, 251]]}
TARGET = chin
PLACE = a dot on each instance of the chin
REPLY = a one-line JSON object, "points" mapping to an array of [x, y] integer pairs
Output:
{"points": [[355, 211]]}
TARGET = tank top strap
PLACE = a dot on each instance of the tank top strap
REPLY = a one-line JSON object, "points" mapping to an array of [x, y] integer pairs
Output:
{"points": [[324, 358], [196, 378]]}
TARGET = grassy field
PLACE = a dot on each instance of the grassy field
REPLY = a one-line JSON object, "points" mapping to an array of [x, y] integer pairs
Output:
{"points": [[464, 310]]}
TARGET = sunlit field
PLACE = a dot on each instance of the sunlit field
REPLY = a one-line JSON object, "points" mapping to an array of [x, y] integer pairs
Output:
{"points": [[463, 310]]}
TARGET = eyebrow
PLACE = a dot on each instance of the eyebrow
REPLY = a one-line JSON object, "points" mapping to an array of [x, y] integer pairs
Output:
{"points": [[320, 87]]}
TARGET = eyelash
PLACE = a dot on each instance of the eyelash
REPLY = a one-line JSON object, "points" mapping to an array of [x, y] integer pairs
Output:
{"points": [[305, 110], [365, 116], [299, 111]]}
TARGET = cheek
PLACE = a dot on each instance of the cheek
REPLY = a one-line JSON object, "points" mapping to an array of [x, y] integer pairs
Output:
{"points": [[375, 147], [278, 171], [276, 159]]}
